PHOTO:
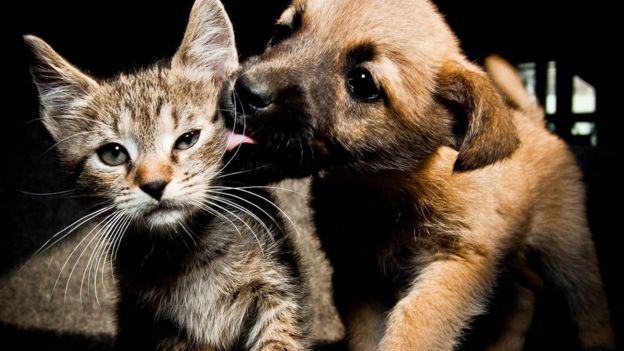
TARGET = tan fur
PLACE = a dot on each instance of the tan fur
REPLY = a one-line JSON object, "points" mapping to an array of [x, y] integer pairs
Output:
{"points": [[464, 203]]}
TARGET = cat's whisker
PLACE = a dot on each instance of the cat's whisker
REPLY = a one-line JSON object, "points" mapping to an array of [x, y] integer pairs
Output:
{"points": [[261, 187], [93, 262], [98, 246], [250, 203], [70, 229], [66, 139], [94, 253], [244, 210], [116, 239], [292, 223], [235, 95], [240, 220], [71, 254], [103, 253], [51, 194], [103, 225], [206, 207], [188, 232], [225, 175]]}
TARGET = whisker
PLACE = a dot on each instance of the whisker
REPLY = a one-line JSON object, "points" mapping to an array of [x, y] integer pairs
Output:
{"points": [[71, 254], [215, 213], [244, 210], [56, 193], [260, 187], [70, 228], [66, 139], [252, 204], [225, 175], [243, 222], [71, 272], [292, 223], [187, 232], [103, 246], [235, 95]]}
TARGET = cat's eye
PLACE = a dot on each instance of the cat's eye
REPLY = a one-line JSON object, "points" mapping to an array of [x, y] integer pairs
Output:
{"points": [[362, 85], [113, 155], [187, 140]]}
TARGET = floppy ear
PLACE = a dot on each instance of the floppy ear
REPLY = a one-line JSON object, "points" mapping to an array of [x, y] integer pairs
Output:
{"points": [[60, 85], [208, 50], [489, 134]]}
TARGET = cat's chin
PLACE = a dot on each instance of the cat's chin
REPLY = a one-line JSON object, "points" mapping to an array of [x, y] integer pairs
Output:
{"points": [[165, 219]]}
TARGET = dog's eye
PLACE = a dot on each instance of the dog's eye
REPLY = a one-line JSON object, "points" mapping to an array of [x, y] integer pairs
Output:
{"points": [[362, 85], [113, 155], [282, 32], [187, 140]]}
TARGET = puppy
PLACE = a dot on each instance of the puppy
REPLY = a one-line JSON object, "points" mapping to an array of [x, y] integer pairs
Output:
{"points": [[424, 181]]}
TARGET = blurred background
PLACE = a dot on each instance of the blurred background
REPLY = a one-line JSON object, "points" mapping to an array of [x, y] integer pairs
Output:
{"points": [[566, 52]]}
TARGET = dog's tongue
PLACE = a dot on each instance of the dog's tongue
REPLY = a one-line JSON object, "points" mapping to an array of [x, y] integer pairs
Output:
{"points": [[235, 140]]}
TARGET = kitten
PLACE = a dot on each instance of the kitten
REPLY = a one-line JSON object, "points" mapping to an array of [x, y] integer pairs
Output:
{"points": [[199, 265]]}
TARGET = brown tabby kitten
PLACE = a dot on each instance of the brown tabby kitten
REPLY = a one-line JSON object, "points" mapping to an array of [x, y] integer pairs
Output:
{"points": [[199, 265]]}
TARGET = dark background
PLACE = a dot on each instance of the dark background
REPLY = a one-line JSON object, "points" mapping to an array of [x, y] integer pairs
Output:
{"points": [[104, 37]]}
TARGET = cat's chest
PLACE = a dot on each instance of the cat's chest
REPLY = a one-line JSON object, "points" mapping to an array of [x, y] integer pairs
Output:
{"points": [[211, 302]]}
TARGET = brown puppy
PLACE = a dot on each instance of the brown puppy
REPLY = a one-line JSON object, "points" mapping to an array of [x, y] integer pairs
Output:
{"points": [[424, 182]]}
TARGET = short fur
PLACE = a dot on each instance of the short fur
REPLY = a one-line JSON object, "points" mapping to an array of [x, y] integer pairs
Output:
{"points": [[199, 265], [423, 192]]}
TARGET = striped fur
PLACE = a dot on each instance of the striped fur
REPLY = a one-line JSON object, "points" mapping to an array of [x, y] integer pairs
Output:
{"points": [[199, 265]]}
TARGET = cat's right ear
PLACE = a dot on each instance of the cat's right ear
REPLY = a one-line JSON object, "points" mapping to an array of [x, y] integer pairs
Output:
{"points": [[60, 84], [208, 50]]}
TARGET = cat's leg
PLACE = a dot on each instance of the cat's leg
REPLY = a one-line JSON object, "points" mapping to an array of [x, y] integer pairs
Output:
{"points": [[280, 322]]}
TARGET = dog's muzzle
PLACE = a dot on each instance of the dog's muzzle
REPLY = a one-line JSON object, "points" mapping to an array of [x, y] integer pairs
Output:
{"points": [[270, 132]]}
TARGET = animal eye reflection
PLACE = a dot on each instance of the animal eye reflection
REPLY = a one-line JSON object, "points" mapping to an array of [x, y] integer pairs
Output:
{"points": [[113, 154], [362, 85], [187, 140]]}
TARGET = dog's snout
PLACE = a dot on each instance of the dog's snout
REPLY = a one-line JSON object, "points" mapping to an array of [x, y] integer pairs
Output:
{"points": [[250, 96]]}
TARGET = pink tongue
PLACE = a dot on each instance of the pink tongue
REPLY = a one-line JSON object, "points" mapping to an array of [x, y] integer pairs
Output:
{"points": [[235, 140]]}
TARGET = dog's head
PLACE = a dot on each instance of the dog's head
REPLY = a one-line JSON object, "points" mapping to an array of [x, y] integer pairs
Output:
{"points": [[366, 86]]}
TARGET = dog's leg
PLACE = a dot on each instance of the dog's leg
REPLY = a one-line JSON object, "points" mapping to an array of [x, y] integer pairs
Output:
{"points": [[444, 298], [519, 317], [365, 326], [561, 234], [570, 262], [517, 322]]}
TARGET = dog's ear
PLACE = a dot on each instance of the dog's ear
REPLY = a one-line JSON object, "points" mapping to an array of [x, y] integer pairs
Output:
{"points": [[484, 127], [208, 49]]}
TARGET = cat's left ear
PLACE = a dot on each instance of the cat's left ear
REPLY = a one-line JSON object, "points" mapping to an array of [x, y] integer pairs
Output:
{"points": [[208, 49]]}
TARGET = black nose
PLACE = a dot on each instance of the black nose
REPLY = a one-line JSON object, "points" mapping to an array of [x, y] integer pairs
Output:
{"points": [[154, 189], [250, 97]]}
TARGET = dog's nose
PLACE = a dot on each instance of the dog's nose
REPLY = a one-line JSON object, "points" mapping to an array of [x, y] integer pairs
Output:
{"points": [[250, 97]]}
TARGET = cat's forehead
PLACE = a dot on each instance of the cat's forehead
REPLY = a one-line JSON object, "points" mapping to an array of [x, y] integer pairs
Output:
{"points": [[143, 96], [148, 105], [150, 88]]}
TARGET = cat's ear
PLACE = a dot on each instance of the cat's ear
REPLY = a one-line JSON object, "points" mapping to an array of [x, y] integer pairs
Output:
{"points": [[208, 49], [60, 84]]}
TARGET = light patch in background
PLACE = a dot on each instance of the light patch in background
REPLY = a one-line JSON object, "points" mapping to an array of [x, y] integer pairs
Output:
{"points": [[584, 97], [551, 88], [528, 72], [586, 129]]}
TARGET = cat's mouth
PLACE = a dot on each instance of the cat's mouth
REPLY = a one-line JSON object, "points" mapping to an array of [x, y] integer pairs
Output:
{"points": [[164, 208], [235, 139]]}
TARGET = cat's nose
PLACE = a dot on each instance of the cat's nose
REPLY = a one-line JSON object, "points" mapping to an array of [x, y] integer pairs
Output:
{"points": [[154, 189]]}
